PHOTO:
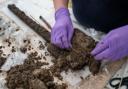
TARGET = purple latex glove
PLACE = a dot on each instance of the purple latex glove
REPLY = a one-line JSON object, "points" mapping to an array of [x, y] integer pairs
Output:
{"points": [[62, 31], [113, 46]]}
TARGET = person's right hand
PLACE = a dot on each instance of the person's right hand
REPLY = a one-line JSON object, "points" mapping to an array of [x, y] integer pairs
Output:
{"points": [[62, 31]]}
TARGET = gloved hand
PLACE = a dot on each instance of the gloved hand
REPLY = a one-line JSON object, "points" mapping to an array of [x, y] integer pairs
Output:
{"points": [[62, 31], [113, 46]]}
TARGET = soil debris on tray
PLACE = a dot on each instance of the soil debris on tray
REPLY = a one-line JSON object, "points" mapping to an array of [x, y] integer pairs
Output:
{"points": [[13, 49], [23, 50], [27, 41], [41, 46], [29, 47], [2, 59], [8, 41], [44, 58], [46, 53], [1, 47], [29, 75]]}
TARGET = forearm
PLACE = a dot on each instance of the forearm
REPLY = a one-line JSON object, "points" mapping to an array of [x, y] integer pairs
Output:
{"points": [[60, 3]]}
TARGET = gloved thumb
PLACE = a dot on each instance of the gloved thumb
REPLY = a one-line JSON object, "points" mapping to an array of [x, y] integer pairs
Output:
{"points": [[100, 48], [103, 55]]}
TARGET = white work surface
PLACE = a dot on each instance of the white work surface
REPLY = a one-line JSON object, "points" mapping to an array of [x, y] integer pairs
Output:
{"points": [[35, 8]]}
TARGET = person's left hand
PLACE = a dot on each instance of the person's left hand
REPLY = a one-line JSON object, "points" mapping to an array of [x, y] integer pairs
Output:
{"points": [[113, 46]]}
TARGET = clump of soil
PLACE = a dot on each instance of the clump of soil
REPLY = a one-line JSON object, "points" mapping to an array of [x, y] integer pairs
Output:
{"points": [[27, 46], [78, 56], [2, 61], [30, 76], [2, 58], [23, 50], [9, 42], [26, 41], [41, 46], [56, 52], [13, 49]]}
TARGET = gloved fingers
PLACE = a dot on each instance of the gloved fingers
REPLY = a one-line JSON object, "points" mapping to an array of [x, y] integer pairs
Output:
{"points": [[65, 42], [52, 38], [58, 34], [103, 55], [70, 32], [58, 41], [53, 32], [70, 35], [100, 48], [108, 36], [55, 39]]}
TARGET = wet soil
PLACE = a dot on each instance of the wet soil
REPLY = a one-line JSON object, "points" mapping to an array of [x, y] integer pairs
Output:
{"points": [[29, 75], [77, 57]]}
